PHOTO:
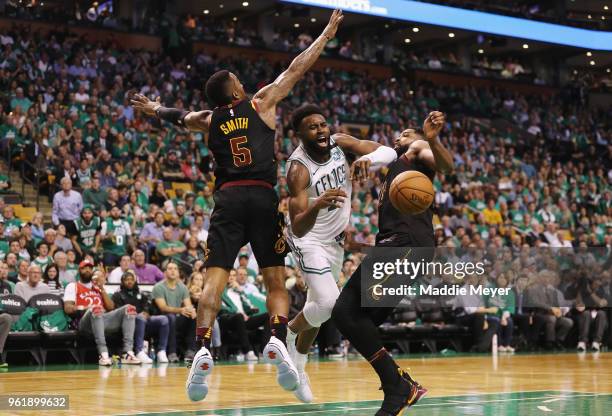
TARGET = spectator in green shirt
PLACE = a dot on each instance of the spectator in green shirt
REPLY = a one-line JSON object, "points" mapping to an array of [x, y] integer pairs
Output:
{"points": [[20, 101], [505, 305], [6, 286], [168, 248], [5, 183], [95, 195], [4, 244]]}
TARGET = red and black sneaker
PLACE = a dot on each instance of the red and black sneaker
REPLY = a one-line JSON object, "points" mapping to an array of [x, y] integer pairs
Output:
{"points": [[405, 393]]}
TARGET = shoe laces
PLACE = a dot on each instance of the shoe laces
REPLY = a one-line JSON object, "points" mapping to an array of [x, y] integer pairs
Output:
{"points": [[403, 373]]}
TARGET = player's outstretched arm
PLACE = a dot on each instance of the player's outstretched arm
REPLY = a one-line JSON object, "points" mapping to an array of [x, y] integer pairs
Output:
{"points": [[302, 215], [373, 156], [267, 98], [192, 120], [436, 155]]}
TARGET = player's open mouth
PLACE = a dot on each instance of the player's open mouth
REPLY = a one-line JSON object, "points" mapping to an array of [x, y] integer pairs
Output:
{"points": [[322, 141]]}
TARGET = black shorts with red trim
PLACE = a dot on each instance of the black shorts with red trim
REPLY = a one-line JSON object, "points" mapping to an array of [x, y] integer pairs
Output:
{"points": [[246, 213]]}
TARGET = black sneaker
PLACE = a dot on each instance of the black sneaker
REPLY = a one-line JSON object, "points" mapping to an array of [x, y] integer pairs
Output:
{"points": [[2, 363], [405, 393]]}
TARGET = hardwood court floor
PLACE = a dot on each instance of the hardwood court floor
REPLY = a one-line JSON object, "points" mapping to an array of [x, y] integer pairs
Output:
{"points": [[556, 384]]}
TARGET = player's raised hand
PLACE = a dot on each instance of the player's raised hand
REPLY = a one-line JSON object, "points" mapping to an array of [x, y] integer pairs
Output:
{"points": [[331, 198], [433, 124], [334, 21], [360, 169], [142, 103]]}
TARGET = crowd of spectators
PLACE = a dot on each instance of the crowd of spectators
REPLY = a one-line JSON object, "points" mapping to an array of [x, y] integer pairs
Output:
{"points": [[574, 14], [133, 197], [179, 33]]}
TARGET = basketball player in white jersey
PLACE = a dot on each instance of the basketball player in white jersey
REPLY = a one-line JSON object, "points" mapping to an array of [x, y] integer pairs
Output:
{"points": [[319, 181]]}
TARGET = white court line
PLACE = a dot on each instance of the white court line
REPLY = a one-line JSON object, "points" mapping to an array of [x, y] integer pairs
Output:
{"points": [[544, 409], [445, 403], [555, 399]]}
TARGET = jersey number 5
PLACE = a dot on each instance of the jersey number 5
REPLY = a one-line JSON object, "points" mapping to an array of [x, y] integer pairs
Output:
{"points": [[242, 155]]}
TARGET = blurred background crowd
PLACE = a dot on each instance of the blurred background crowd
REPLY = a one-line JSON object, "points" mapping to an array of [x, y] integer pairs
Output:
{"points": [[131, 195]]}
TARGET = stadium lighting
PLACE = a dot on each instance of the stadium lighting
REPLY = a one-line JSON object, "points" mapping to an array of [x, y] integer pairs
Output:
{"points": [[407, 40], [603, 17], [296, 25], [608, 70], [277, 14], [451, 35], [206, 11], [386, 26], [575, 72], [589, 16], [589, 53], [592, 63], [415, 29], [313, 19], [525, 46], [605, 7], [245, 4], [221, 6], [481, 51], [235, 19]]}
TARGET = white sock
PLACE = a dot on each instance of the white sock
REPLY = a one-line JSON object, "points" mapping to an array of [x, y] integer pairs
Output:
{"points": [[104, 354], [301, 361], [291, 336]]}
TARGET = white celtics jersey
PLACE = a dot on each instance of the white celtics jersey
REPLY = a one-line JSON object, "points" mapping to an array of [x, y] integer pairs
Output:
{"points": [[330, 222]]}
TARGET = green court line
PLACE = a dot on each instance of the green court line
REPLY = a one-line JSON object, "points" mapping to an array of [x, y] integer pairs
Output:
{"points": [[532, 403], [311, 359]]}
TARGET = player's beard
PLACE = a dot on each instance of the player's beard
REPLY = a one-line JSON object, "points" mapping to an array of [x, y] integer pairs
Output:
{"points": [[401, 149], [86, 277], [318, 150]]}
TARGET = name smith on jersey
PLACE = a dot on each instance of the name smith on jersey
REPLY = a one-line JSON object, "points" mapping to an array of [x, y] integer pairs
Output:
{"points": [[239, 123]]}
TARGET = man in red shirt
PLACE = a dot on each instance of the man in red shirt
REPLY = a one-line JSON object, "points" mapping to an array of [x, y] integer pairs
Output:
{"points": [[89, 302]]}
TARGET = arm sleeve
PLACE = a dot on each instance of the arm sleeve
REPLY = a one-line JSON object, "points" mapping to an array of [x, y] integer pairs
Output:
{"points": [[55, 211], [103, 229], [157, 292], [172, 115], [381, 157], [117, 299], [70, 293], [19, 289]]}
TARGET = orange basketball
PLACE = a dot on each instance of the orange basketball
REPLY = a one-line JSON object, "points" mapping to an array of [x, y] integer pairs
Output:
{"points": [[411, 192]]}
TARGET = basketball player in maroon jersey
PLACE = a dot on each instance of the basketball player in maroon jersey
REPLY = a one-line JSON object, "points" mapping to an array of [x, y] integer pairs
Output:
{"points": [[418, 150], [241, 138]]}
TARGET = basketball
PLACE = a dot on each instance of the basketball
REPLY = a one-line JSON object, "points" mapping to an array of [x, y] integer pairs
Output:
{"points": [[411, 192]]}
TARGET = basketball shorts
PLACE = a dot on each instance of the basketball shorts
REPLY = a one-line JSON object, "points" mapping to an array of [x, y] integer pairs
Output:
{"points": [[321, 265], [316, 258], [246, 214]]}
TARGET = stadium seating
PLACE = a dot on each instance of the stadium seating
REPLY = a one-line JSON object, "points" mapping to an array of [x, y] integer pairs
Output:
{"points": [[54, 340], [25, 341]]}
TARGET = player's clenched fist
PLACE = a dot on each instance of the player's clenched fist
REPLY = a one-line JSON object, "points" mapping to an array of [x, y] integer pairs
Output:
{"points": [[433, 124], [360, 169], [330, 198]]}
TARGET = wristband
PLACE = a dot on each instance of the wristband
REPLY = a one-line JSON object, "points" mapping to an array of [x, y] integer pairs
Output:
{"points": [[381, 157], [171, 115]]}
